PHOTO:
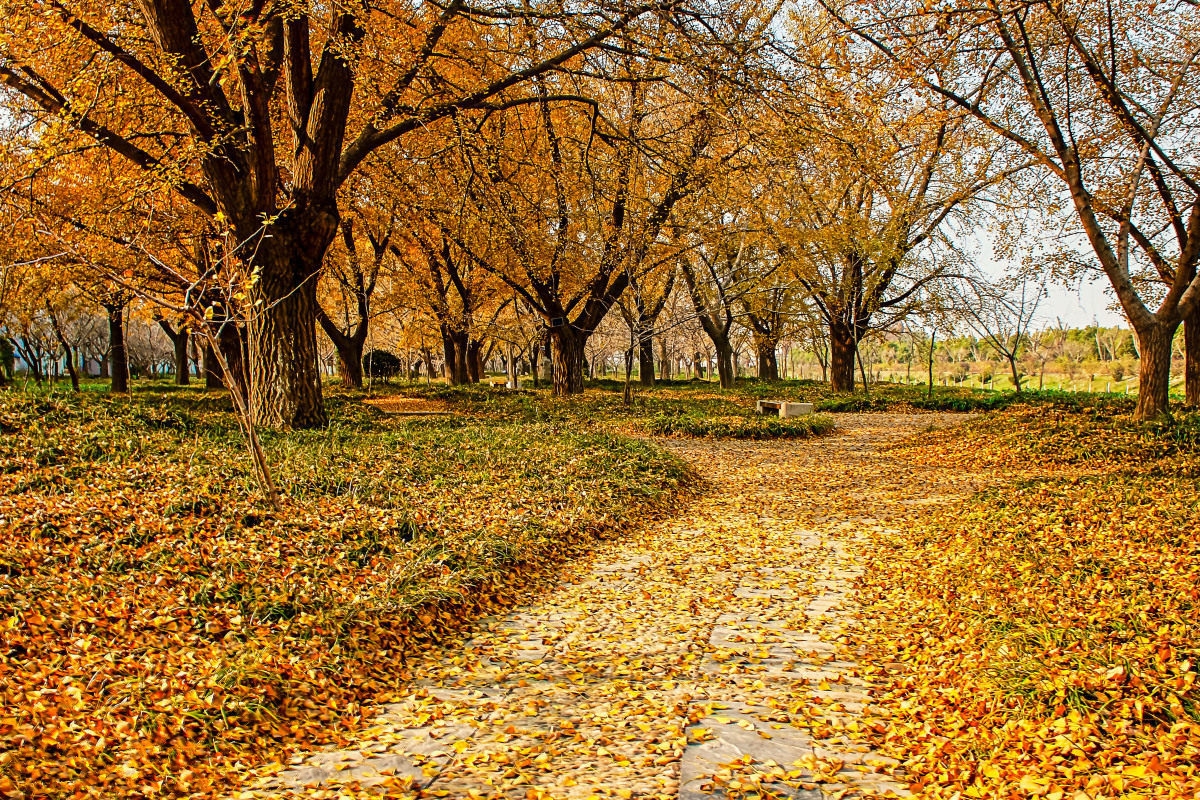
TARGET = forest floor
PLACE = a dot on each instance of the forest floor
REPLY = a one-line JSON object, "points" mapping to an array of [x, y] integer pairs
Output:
{"points": [[526, 596], [707, 656]]}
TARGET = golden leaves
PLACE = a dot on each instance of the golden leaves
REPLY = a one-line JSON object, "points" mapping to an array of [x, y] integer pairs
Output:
{"points": [[1044, 633]]}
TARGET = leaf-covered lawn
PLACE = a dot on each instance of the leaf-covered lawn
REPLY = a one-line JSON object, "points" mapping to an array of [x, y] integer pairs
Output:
{"points": [[1043, 640], [700, 408], [160, 626]]}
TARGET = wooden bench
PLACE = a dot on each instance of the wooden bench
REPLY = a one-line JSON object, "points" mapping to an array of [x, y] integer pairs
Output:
{"points": [[783, 408]]}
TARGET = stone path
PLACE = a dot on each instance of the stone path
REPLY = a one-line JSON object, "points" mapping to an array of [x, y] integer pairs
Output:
{"points": [[700, 659]]}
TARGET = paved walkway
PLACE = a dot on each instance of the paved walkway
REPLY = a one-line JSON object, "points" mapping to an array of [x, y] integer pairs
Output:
{"points": [[701, 659]]}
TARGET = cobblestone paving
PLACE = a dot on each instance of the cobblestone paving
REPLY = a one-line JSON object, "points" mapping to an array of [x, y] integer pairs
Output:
{"points": [[699, 659]]}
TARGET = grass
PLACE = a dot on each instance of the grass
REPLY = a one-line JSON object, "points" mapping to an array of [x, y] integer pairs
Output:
{"points": [[162, 627], [711, 411]]}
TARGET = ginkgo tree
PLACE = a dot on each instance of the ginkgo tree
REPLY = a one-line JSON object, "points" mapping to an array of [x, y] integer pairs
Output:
{"points": [[256, 114], [870, 184], [1102, 97]]}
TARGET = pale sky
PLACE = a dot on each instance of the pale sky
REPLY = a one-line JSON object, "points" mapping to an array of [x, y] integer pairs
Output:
{"points": [[1089, 301], [1082, 306]]}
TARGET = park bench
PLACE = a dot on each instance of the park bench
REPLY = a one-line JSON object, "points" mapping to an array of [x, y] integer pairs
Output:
{"points": [[783, 408]]}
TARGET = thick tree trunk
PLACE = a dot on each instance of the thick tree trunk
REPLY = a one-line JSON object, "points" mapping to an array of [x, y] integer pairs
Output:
{"points": [[349, 349], [646, 360], [768, 362], [1191, 364], [475, 367], [118, 356], [211, 369], [179, 341], [1154, 374], [285, 381], [462, 356], [725, 371], [842, 351], [350, 362], [566, 358], [447, 354]]}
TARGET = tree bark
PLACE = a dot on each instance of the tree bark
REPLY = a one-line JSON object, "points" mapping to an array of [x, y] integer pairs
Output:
{"points": [[285, 382], [1016, 374], [118, 356], [566, 358], [1154, 373], [842, 351], [179, 340], [535, 355], [448, 354], [1191, 363], [646, 360], [475, 366], [462, 355], [725, 371], [349, 350], [768, 361], [211, 369]]}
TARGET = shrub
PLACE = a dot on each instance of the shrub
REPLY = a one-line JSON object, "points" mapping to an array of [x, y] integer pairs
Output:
{"points": [[740, 427], [381, 364]]}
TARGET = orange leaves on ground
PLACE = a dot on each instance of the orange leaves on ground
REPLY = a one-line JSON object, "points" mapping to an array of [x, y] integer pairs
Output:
{"points": [[161, 633], [1041, 641]]}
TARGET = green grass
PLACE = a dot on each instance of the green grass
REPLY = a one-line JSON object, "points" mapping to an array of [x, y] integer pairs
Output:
{"points": [[711, 411]]}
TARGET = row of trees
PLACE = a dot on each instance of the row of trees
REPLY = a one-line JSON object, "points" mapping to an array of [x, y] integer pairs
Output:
{"points": [[500, 178]]}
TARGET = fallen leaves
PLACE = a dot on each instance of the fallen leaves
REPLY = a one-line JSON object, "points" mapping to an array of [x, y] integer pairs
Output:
{"points": [[1042, 639], [161, 633]]}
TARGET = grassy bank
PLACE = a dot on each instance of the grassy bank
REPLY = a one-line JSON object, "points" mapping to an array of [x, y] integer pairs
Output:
{"points": [[1043, 639], [162, 629], [602, 402]]}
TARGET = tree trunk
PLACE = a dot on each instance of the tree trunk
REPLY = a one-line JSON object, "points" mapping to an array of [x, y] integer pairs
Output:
{"points": [[566, 358], [547, 365], [535, 356], [447, 354], [1154, 374], [768, 363], [350, 362], [725, 364], [646, 360], [179, 340], [68, 351], [118, 356], [1191, 364], [842, 352], [1016, 375], [349, 349], [475, 367], [285, 381], [212, 370]]}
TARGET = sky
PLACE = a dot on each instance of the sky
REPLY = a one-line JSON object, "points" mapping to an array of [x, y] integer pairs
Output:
{"points": [[1082, 306], [1087, 302]]}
